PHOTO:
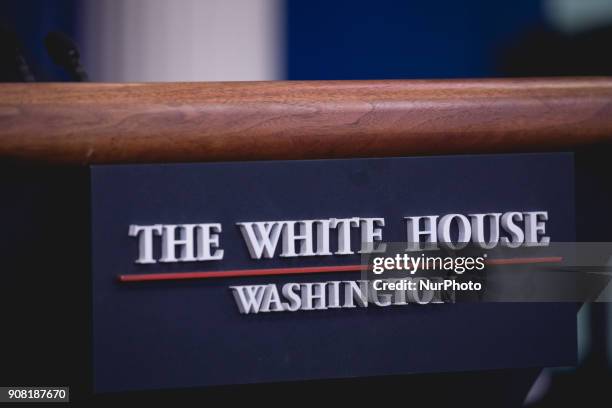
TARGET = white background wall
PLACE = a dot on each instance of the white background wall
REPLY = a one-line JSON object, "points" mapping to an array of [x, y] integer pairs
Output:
{"points": [[182, 40]]}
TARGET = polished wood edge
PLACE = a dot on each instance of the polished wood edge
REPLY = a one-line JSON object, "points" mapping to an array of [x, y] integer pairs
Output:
{"points": [[94, 123]]}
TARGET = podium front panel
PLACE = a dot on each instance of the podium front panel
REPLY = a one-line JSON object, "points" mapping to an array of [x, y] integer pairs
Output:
{"points": [[169, 317]]}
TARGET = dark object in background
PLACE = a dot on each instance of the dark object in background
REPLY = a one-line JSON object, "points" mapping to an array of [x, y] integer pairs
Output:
{"points": [[64, 52], [544, 52], [13, 67]]}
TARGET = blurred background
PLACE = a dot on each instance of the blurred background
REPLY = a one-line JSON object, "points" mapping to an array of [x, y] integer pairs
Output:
{"points": [[239, 40], [245, 40]]}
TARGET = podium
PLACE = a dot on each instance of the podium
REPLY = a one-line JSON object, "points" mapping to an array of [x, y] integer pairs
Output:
{"points": [[137, 217]]}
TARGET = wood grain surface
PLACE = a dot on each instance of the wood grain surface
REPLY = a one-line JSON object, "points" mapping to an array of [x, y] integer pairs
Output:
{"points": [[84, 123]]}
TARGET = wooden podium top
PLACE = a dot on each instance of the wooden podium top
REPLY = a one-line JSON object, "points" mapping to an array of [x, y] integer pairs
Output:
{"points": [[70, 123]]}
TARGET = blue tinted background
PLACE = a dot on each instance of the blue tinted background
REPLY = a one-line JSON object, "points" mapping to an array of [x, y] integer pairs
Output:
{"points": [[386, 39], [357, 39]]}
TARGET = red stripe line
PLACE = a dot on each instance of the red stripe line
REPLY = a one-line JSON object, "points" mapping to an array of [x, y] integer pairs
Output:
{"points": [[521, 261], [295, 271]]}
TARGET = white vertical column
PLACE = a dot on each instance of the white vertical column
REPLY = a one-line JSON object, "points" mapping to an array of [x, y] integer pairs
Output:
{"points": [[182, 40]]}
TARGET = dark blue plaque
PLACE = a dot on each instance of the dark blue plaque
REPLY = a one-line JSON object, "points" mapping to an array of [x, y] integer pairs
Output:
{"points": [[184, 333]]}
